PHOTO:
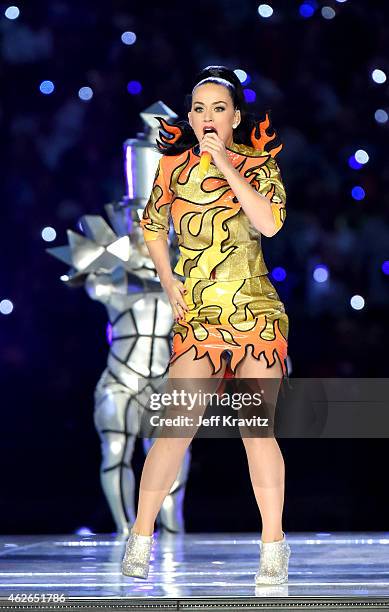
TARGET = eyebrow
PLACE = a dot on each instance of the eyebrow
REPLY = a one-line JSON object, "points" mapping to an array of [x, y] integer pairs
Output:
{"points": [[218, 102]]}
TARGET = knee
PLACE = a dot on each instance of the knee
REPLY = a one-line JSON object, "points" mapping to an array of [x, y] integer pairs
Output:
{"points": [[173, 445], [252, 443]]}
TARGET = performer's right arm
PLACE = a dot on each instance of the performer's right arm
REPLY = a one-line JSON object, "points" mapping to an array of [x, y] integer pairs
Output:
{"points": [[155, 226]]}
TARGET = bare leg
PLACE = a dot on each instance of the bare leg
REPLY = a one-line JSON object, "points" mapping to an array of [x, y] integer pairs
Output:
{"points": [[165, 456], [266, 464]]}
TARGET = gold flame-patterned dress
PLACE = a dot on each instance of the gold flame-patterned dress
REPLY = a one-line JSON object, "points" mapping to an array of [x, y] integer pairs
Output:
{"points": [[232, 303]]}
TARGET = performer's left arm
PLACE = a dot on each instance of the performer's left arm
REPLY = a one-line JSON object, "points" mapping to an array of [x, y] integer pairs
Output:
{"points": [[269, 216]]}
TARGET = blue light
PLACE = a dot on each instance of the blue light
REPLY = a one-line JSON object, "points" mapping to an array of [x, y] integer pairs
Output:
{"points": [[109, 333], [84, 531], [249, 95], [134, 87], [385, 267], [12, 12], [352, 162], [85, 94], [320, 274], [128, 38], [279, 274], [46, 87], [381, 116], [358, 193], [306, 10], [6, 307]]}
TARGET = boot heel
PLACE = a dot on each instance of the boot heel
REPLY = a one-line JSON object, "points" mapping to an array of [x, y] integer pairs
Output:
{"points": [[273, 568], [136, 560]]}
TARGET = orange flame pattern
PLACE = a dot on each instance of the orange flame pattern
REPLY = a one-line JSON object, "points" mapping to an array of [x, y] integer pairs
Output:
{"points": [[260, 141], [227, 337], [174, 130]]}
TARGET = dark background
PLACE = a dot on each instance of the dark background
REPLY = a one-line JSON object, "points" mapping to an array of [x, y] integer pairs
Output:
{"points": [[62, 158]]}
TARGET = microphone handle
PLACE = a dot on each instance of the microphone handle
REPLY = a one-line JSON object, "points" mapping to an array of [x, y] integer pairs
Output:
{"points": [[205, 160]]}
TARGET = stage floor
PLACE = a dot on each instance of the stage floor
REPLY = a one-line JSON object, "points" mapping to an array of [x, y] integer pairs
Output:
{"points": [[348, 567]]}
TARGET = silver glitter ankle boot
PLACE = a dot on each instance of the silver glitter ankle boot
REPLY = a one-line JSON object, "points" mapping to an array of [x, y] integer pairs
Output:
{"points": [[273, 567], [136, 560]]}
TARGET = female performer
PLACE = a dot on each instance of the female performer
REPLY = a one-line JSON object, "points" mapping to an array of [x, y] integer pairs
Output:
{"points": [[226, 302]]}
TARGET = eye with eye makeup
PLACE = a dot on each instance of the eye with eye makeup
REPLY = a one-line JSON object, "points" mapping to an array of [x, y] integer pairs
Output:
{"points": [[200, 108]]}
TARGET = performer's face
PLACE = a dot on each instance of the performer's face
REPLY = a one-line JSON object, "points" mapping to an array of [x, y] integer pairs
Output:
{"points": [[212, 106]]}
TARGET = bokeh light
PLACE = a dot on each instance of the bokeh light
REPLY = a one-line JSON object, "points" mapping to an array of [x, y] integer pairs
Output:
{"points": [[134, 87], [48, 234], [381, 116], [250, 95], [46, 87], [385, 267], [6, 307], [352, 162], [361, 156], [12, 12], [306, 10], [128, 38], [320, 274], [241, 74], [378, 76], [85, 93], [265, 10], [357, 302], [358, 193], [327, 12], [278, 273]]}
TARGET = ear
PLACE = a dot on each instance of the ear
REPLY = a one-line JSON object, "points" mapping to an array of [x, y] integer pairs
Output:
{"points": [[190, 118], [237, 117]]}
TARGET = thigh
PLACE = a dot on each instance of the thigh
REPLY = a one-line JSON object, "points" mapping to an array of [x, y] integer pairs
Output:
{"points": [[189, 386], [257, 378], [187, 366], [251, 367]]}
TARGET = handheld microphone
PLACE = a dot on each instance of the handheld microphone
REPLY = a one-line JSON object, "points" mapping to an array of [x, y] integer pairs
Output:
{"points": [[205, 158]]}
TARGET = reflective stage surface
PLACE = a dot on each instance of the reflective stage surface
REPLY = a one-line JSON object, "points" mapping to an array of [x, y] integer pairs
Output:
{"points": [[204, 567]]}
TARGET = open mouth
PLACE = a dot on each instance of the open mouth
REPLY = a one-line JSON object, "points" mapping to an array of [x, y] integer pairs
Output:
{"points": [[209, 129]]}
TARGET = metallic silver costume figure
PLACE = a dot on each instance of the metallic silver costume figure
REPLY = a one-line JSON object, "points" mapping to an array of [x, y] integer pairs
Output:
{"points": [[114, 265]]}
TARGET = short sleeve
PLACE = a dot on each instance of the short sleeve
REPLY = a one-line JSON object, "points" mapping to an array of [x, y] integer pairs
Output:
{"points": [[156, 214], [269, 183]]}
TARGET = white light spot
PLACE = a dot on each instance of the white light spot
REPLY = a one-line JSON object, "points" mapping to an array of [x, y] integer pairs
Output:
{"points": [[116, 447], [241, 74], [361, 156], [128, 38], [6, 307], [49, 234], [357, 302], [265, 10], [12, 12], [85, 93], [378, 76]]}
